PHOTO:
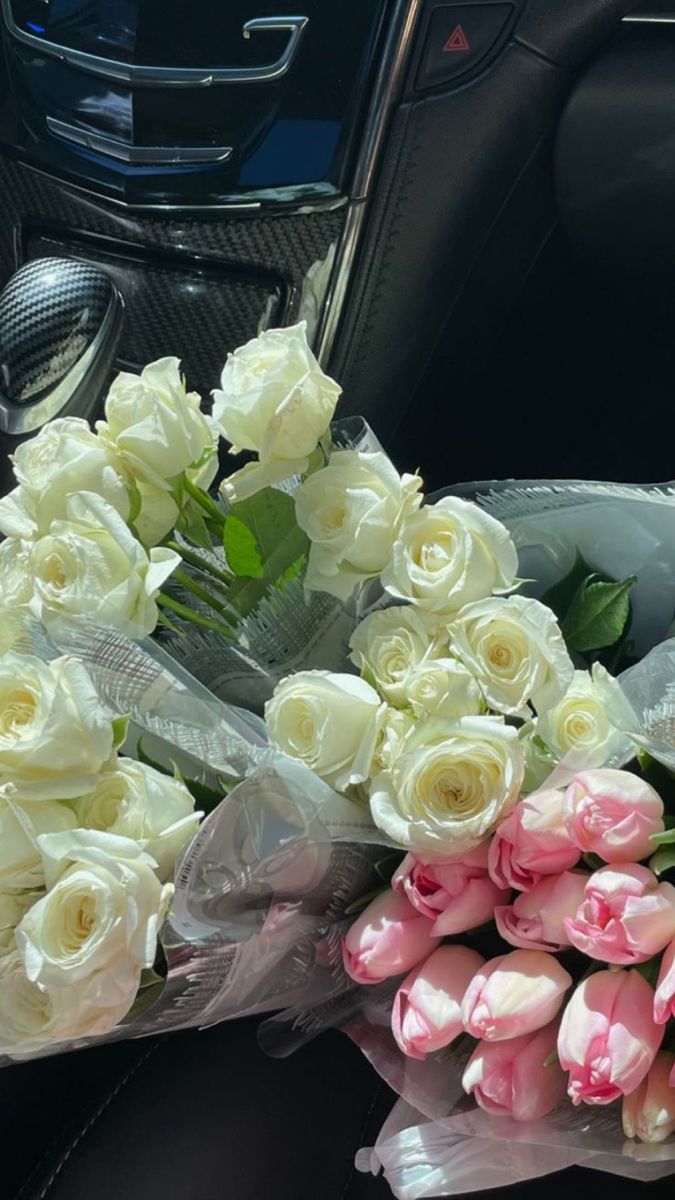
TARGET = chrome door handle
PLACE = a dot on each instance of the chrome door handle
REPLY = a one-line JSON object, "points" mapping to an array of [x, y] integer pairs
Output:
{"points": [[171, 77], [137, 155]]}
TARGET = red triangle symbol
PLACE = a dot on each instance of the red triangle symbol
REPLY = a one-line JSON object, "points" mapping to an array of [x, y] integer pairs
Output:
{"points": [[456, 41]]}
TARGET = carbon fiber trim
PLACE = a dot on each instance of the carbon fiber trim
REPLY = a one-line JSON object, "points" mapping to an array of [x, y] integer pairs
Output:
{"points": [[165, 312]]}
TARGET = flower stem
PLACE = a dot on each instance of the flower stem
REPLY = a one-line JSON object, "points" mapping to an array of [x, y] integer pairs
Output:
{"points": [[204, 594], [195, 618], [204, 500], [196, 560]]}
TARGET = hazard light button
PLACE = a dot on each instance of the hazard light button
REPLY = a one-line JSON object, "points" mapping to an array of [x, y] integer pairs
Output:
{"points": [[458, 37]]}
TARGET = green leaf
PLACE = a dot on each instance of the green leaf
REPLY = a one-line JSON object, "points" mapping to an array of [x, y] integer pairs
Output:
{"points": [[192, 524], [119, 728], [560, 596], [598, 614], [663, 860], [294, 571], [270, 516], [241, 548], [663, 839], [151, 987], [206, 798], [281, 545]]}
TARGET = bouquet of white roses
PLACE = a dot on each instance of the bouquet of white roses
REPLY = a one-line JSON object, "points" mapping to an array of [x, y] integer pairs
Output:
{"points": [[462, 739]]}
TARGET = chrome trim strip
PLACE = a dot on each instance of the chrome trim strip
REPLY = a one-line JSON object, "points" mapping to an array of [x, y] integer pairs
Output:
{"points": [[171, 77], [151, 155], [650, 19], [387, 86]]}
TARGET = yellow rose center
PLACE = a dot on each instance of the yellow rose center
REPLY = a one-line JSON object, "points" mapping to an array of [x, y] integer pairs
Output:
{"points": [[53, 573], [17, 713]]}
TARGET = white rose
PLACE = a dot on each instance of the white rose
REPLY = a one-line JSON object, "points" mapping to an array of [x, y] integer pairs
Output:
{"points": [[450, 784], [156, 426], [16, 587], [396, 724], [54, 735], [580, 724], [330, 722], [33, 1018], [92, 564], [13, 906], [514, 648], [135, 801], [387, 645], [275, 399], [157, 516], [101, 915], [450, 554], [443, 687], [352, 511], [20, 827], [64, 457]]}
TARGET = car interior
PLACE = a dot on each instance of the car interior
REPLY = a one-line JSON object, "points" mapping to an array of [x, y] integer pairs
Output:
{"points": [[471, 206]]}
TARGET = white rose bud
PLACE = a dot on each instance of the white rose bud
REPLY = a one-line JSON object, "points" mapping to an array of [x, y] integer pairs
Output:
{"points": [[13, 906], [387, 645], [352, 511], [33, 1018], [156, 426], [450, 554], [138, 802], [64, 457], [92, 565], [580, 723], [450, 784], [397, 723], [443, 687], [329, 722], [514, 648], [54, 735], [20, 827], [275, 400], [102, 913]]}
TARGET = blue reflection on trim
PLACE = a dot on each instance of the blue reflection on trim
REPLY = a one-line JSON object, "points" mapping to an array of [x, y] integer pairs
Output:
{"points": [[35, 28], [293, 152]]}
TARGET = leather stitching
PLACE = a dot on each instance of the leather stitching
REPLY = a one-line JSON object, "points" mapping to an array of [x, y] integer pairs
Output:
{"points": [[88, 1125]]}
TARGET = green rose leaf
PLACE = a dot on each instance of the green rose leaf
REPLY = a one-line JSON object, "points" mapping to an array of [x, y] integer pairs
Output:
{"points": [[598, 614], [241, 548], [560, 596], [265, 546], [663, 860]]}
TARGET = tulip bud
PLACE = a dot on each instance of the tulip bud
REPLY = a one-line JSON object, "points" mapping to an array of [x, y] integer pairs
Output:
{"points": [[613, 814], [387, 939], [664, 1000], [626, 916], [457, 894], [649, 1112], [608, 1038], [536, 919], [532, 842], [427, 1012], [516, 1078], [514, 994]]}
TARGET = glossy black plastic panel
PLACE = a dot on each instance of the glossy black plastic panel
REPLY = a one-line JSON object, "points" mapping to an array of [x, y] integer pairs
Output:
{"points": [[290, 137]]}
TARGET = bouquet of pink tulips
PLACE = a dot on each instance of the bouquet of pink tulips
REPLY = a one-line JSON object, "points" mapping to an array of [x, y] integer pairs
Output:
{"points": [[450, 835]]}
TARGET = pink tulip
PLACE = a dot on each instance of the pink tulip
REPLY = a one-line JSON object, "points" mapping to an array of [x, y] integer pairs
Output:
{"points": [[626, 916], [536, 919], [613, 814], [532, 842], [387, 939], [649, 1112], [427, 1012], [514, 994], [457, 894], [664, 1000], [608, 1038], [510, 1079]]}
